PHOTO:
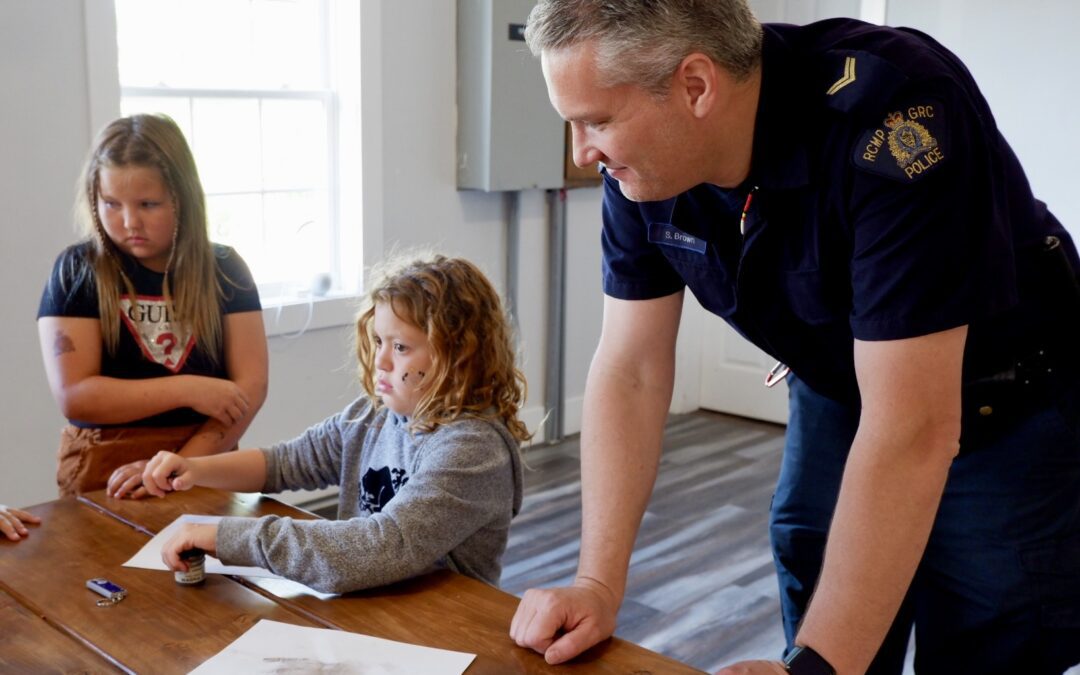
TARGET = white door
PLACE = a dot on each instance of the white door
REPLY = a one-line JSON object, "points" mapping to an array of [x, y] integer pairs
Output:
{"points": [[733, 375]]}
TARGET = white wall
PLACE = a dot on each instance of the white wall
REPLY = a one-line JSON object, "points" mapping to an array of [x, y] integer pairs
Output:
{"points": [[44, 133]]}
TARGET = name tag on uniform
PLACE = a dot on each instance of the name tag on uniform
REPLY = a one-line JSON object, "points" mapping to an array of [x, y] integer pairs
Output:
{"points": [[669, 235]]}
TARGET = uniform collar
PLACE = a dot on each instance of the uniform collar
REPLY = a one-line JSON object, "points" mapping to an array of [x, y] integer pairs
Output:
{"points": [[779, 159]]}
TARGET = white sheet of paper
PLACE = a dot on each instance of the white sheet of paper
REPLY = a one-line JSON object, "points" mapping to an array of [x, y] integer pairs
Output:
{"points": [[149, 556], [275, 647]]}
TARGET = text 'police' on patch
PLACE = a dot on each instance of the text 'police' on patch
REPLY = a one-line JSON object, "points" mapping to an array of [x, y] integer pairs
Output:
{"points": [[908, 144]]}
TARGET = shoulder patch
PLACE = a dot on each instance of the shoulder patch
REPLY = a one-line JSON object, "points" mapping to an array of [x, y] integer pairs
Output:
{"points": [[908, 144]]}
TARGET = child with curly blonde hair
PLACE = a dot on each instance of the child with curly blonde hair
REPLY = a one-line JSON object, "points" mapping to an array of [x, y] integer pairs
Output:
{"points": [[427, 459]]}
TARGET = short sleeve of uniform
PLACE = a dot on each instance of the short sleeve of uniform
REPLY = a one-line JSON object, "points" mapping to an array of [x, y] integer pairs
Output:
{"points": [[928, 238], [240, 294], [71, 290], [633, 267]]}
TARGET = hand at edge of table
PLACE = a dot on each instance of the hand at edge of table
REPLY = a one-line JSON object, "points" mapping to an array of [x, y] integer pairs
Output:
{"points": [[13, 522], [561, 623], [127, 481]]}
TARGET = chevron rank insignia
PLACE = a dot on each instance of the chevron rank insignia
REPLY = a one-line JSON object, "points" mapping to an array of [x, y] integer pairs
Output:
{"points": [[858, 82], [907, 145], [847, 78]]}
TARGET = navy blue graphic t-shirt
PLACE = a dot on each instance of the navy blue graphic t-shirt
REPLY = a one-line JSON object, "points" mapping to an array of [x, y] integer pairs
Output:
{"points": [[151, 343]]}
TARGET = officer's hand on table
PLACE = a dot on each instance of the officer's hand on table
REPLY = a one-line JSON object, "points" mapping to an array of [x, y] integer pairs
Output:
{"points": [[11, 522], [584, 614], [754, 668]]}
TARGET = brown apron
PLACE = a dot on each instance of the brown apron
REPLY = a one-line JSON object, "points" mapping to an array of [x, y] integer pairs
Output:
{"points": [[89, 456]]}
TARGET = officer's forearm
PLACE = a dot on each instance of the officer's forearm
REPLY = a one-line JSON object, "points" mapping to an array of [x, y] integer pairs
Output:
{"points": [[888, 500], [621, 436]]}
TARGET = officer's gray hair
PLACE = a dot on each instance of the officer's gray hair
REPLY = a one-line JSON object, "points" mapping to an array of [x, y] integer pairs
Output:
{"points": [[643, 41]]}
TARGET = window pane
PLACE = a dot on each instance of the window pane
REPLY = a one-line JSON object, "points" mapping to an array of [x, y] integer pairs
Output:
{"points": [[220, 44], [227, 149], [236, 220], [248, 83], [297, 236], [297, 63], [294, 144]]}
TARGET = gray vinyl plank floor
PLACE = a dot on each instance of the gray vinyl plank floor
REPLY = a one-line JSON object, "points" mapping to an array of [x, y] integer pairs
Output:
{"points": [[701, 587]]}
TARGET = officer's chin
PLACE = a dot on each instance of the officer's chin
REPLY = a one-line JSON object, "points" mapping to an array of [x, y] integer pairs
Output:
{"points": [[637, 192]]}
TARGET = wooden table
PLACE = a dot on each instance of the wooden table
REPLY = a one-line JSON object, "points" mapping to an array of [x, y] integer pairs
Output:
{"points": [[48, 619]]}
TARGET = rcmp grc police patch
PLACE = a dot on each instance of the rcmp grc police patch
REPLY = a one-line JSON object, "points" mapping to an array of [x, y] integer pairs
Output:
{"points": [[907, 145]]}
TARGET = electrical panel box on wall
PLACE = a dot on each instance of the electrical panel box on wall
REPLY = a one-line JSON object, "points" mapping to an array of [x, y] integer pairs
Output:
{"points": [[509, 137]]}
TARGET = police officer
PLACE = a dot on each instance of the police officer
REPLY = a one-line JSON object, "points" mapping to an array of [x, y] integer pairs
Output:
{"points": [[840, 194]]}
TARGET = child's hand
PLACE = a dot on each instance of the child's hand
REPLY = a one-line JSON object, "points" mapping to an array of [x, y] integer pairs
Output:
{"points": [[221, 399], [127, 480], [189, 536], [11, 522], [168, 471]]}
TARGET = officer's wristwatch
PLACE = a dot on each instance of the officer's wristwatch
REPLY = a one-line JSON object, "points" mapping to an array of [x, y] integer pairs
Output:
{"points": [[805, 661]]}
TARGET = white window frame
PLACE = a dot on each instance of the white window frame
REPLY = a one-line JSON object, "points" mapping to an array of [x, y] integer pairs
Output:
{"points": [[284, 317]]}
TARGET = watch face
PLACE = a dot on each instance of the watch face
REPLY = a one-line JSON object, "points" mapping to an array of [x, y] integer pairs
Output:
{"points": [[805, 661]]}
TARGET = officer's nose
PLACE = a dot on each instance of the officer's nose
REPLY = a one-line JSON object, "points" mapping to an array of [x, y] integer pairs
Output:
{"points": [[585, 152]]}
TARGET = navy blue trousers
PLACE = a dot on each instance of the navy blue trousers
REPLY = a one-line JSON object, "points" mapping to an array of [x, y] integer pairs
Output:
{"points": [[998, 588]]}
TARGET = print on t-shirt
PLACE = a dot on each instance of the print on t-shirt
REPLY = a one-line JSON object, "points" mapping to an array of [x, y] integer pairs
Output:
{"points": [[378, 487], [160, 340]]}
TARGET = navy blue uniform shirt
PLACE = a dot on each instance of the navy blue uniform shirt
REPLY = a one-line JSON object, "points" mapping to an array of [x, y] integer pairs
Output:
{"points": [[886, 205]]}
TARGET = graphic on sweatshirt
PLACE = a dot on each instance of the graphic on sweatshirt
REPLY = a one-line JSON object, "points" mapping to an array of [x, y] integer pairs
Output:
{"points": [[378, 487], [161, 340]]}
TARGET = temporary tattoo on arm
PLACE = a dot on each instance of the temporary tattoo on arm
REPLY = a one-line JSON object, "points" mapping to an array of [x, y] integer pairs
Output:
{"points": [[63, 344]]}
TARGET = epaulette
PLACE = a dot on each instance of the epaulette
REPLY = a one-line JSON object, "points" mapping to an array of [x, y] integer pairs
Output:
{"points": [[858, 82]]}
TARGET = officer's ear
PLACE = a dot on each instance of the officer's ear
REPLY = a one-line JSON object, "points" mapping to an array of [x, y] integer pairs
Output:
{"points": [[698, 81]]}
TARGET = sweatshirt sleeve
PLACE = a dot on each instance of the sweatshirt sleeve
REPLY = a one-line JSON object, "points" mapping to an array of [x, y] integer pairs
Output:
{"points": [[463, 481], [313, 459]]}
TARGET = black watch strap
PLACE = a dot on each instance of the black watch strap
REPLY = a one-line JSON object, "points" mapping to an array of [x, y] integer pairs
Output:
{"points": [[805, 661]]}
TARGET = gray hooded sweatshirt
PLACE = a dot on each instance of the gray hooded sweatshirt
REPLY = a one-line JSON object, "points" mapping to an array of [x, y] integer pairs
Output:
{"points": [[410, 503]]}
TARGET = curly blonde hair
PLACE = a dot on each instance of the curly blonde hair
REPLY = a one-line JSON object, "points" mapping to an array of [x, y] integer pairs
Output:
{"points": [[474, 372]]}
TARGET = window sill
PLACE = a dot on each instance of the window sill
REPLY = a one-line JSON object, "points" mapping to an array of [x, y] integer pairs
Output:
{"points": [[292, 317]]}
